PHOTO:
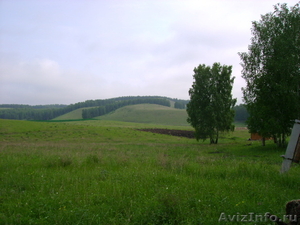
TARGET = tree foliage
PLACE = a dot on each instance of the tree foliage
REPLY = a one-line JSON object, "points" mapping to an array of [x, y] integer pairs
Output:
{"points": [[271, 69], [241, 113], [181, 104], [210, 109]]}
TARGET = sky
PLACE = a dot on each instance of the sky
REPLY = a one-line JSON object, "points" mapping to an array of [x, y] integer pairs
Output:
{"points": [[68, 51]]}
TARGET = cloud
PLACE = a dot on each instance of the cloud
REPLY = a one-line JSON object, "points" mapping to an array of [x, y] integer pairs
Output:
{"points": [[71, 51], [43, 82]]}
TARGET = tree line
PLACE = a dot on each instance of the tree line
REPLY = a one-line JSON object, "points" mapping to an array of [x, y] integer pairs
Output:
{"points": [[22, 106]]}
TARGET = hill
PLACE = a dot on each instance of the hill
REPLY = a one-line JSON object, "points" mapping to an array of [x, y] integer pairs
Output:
{"points": [[73, 115], [148, 113], [98, 107]]}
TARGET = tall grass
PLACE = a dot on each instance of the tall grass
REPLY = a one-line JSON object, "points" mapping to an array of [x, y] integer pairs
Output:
{"points": [[84, 173]]}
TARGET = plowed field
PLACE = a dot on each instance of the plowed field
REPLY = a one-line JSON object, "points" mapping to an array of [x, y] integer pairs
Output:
{"points": [[179, 133]]}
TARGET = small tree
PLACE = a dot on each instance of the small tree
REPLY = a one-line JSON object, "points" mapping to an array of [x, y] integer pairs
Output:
{"points": [[271, 69], [210, 109]]}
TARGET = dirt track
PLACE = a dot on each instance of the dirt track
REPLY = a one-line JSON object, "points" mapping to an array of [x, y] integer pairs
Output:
{"points": [[179, 133]]}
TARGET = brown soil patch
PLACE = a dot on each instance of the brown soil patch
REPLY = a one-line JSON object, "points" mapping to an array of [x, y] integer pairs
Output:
{"points": [[179, 133]]}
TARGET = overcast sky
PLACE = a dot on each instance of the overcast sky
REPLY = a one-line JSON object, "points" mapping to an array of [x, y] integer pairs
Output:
{"points": [[67, 51]]}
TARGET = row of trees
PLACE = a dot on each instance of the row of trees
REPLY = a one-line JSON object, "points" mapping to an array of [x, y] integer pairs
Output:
{"points": [[180, 104], [271, 69], [102, 110], [22, 106], [31, 113]]}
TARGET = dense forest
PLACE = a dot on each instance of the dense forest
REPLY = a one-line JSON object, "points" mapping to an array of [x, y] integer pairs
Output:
{"points": [[18, 106], [97, 108]]}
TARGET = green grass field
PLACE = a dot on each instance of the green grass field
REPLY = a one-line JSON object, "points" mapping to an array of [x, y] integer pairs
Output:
{"points": [[73, 115], [148, 113], [107, 172]]}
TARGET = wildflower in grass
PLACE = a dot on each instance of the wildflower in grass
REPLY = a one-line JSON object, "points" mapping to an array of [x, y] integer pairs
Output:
{"points": [[62, 208], [239, 203]]}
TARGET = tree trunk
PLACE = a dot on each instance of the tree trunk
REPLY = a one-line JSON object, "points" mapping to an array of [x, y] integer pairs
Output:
{"points": [[283, 140], [279, 141], [275, 139], [263, 141], [217, 138]]}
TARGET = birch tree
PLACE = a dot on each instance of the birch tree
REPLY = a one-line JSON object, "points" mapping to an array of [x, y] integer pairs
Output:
{"points": [[210, 110], [271, 69]]}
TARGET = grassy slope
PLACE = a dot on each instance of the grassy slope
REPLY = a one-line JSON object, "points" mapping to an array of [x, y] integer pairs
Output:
{"points": [[148, 113], [141, 113], [73, 115], [104, 172]]}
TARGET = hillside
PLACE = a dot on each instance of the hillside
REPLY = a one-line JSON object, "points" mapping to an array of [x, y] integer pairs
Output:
{"points": [[73, 115], [148, 113], [92, 108]]}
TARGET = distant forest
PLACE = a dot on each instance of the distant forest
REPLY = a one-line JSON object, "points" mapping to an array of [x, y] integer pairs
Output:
{"points": [[94, 108]]}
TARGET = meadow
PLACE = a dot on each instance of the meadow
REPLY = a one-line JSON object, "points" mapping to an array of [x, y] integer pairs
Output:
{"points": [[148, 113], [108, 172], [141, 113]]}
